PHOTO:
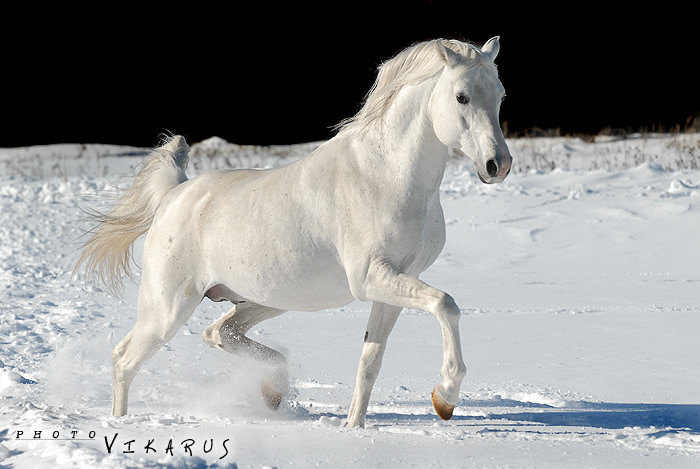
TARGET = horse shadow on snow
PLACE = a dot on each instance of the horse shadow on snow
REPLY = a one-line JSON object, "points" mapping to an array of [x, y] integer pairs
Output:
{"points": [[603, 415]]}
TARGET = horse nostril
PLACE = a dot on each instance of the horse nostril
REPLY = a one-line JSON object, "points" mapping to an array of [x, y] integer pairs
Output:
{"points": [[492, 167]]}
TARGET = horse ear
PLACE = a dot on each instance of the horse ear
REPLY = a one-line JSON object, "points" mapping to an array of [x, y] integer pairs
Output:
{"points": [[450, 57], [491, 48]]}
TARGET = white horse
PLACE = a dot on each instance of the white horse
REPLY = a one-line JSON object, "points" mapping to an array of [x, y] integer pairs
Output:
{"points": [[358, 219]]}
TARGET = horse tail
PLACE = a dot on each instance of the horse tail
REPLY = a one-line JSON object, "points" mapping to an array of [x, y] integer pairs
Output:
{"points": [[108, 253]]}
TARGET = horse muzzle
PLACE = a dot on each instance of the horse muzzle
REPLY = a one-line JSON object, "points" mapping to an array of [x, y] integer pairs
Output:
{"points": [[495, 171]]}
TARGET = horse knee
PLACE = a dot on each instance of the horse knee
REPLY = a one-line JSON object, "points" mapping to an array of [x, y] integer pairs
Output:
{"points": [[369, 374], [444, 303], [371, 362]]}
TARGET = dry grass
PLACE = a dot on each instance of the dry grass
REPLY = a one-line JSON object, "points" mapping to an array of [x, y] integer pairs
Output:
{"points": [[674, 148], [691, 125]]}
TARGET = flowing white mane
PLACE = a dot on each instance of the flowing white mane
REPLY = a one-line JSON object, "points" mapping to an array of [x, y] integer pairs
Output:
{"points": [[412, 65]]}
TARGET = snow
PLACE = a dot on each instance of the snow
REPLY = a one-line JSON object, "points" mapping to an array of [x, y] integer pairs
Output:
{"points": [[577, 279]]}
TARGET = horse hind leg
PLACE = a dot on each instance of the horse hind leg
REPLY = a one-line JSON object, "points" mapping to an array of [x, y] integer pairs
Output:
{"points": [[228, 333], [157, 322], [123, 376]]}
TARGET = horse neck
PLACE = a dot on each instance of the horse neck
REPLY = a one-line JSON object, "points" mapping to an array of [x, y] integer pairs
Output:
{"points": [[403, 145]]}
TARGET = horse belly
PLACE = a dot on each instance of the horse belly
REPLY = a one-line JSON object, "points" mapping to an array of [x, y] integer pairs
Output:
{"points": [[268, 253], [307, 283]]}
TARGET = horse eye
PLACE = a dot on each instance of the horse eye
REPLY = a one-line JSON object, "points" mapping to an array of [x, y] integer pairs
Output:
{"points": [[462, 98]]}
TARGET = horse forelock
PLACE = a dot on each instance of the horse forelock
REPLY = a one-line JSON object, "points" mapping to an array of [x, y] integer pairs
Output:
{"points": [[413, 65]]}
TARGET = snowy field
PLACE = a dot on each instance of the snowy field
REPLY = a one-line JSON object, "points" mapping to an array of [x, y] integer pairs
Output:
{"points": [[578, 279]]}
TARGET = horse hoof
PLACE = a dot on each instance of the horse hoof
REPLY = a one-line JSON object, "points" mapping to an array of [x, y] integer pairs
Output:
{"points": [[271, 397], [443, 409]]}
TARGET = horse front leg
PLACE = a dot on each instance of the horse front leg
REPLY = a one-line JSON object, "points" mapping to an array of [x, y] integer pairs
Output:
{"points": [[381, 322], [384, 283]]}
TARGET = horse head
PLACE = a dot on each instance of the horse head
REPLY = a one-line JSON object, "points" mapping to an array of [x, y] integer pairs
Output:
{"points": [[464, 108]]}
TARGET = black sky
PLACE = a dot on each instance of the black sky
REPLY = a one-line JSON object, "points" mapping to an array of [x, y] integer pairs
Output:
{"points": [[259, 74]]}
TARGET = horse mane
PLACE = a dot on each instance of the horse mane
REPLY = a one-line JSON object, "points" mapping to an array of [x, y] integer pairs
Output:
{"points": [[411, 66]]}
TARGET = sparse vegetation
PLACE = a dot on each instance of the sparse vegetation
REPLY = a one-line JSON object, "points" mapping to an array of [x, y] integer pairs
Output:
{"points": [[535, 150]]}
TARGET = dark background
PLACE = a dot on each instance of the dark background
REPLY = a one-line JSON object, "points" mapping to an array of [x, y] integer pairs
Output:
{"points": [[257, 73]]}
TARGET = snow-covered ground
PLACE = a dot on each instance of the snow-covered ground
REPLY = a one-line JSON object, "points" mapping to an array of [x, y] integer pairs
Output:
{"points": [[580, 292]]}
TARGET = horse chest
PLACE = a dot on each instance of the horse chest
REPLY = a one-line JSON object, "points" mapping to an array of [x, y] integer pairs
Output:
{"points": [[415, 241]]}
